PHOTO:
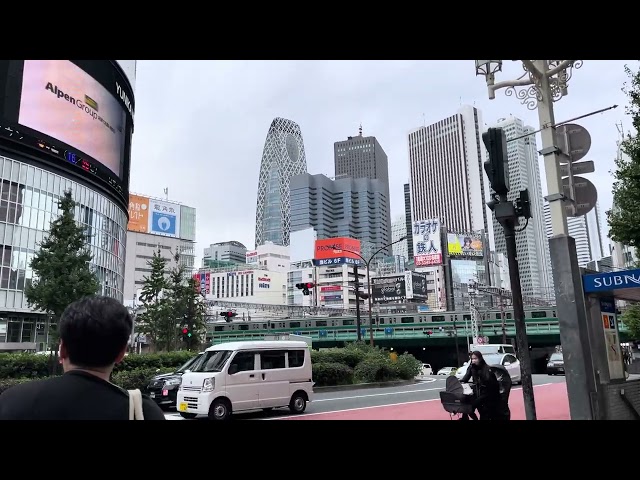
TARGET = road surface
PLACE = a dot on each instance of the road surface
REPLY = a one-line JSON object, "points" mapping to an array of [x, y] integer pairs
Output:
{"points": [[420, 401]]}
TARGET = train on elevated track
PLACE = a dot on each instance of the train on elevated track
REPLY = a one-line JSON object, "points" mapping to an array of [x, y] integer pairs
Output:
{"points": [[430, 320]]}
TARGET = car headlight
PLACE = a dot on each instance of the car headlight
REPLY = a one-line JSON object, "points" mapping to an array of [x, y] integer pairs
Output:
{"points": [[549, 364], [209, 384], [172, 381]]}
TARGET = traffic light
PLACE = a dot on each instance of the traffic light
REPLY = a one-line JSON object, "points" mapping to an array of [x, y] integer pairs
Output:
{"points": [[497, 166], [305, 287], [523, 204], [186, 333]]}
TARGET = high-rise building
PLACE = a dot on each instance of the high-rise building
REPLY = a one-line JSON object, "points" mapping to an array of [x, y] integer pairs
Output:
{"points": [[364, 157], [447, 176], [156, 225], [283, 157], [346, 207], [408, 220], [218, 254], [532, 245], [585, 231], [399, 230], [86, 149]]}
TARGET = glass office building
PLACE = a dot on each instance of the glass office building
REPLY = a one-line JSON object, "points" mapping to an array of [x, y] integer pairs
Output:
{"points": [[28, 204]]}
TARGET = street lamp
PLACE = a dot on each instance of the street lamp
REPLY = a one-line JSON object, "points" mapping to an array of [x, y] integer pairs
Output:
{"points": [[543, 83], [368, 264]]}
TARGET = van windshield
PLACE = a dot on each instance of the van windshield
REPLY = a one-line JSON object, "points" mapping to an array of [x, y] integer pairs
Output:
{"points": [[211, 361]]}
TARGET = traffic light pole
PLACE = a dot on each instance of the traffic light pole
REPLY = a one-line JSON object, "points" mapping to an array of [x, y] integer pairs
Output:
{"points": [[357, 287], [507, 217]]}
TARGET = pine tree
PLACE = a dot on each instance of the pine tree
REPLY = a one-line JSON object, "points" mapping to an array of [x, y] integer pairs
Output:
{"points": [[188, 306], [624, 226], [156, 321], [61, 267]]}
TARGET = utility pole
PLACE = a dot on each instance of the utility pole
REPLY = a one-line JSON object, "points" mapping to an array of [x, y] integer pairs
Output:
{"points": [[507, 214], [357, 287], [504, 321]]}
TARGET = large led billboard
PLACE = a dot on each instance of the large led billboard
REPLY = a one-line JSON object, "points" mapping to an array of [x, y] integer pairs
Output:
{"points": [[74, 115], [427, 248], [337, 251], [74, 108]]}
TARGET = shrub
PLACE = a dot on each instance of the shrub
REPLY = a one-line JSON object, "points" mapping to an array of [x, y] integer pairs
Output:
{"points": [[137, 378], [19, 365], [375, 369], [407, 366], [155, 360], [332, 373]]}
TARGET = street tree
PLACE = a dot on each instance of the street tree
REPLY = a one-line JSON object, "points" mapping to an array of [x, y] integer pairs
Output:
{"points": [[155, 321], [624, 226], [631, 319], [188, 306], [61, 268]]}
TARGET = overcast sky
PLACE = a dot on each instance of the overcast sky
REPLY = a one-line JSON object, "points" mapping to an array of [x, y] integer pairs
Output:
{"points": [[200, 126]]}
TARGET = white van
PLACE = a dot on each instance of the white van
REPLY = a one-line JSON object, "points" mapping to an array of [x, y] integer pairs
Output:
{"points": [[240, 376]]}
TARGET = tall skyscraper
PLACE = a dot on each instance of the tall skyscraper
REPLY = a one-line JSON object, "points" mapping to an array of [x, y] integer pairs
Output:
{"points": [[364, 157], [283, 157], [399, 230], [447, 176], [407, 215], [586, 232], [532, 244], [346, 207]]}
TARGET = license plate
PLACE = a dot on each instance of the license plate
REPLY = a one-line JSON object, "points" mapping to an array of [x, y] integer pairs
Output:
{"points": [[152, 395], [165, 393], [183, 406], [561, 369]]}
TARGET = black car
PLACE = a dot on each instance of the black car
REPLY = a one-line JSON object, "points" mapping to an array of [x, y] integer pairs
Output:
{"points": [[555, 365], [164, 388]]}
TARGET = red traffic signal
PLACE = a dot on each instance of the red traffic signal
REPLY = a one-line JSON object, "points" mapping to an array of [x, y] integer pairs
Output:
{"points": [[309, 285], [185, 330]]}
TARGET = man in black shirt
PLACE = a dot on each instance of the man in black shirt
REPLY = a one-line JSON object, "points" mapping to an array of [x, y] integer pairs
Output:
{"points": [[94, 333]]}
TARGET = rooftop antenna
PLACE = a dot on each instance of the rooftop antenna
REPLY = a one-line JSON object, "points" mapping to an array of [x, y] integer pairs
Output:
{"points": [[360, 130], [166, 193], [424, 121]]}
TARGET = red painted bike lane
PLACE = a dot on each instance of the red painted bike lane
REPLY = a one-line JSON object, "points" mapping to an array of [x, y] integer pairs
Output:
{"points": [[551, 404]]}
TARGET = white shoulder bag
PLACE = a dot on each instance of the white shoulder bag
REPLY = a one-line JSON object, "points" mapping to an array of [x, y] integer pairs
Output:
{"points": [[135, 405]]}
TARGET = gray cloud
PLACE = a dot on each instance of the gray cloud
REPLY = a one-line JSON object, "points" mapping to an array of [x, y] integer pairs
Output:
{"points": [[201, 125]]}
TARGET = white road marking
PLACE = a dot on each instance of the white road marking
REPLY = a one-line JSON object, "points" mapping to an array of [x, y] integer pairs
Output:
{"points": [[379, 406], [377, 394]]}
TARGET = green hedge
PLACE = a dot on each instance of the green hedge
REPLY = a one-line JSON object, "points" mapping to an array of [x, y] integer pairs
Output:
{"points": [[135, 371], [361, 363]]}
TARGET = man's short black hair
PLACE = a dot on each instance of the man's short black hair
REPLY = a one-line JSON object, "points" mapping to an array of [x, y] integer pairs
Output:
{"points": [[95, 330]]}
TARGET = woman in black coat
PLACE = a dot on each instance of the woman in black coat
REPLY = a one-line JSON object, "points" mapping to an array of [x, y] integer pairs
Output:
{"points": [[486, 384]]}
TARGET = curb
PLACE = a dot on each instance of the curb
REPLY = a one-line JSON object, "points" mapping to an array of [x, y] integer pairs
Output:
{"points": [[362, 386]]}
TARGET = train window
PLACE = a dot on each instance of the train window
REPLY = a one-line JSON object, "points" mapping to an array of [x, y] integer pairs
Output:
{"points": [[218, 328], [294, 324], [381, 321], [466, 317], [264, 325], [554, 314], [437, 318], [509, 316], [321, 323], [498, 316], [244, 327], [538, 314], [348, 322], [406, 320]]}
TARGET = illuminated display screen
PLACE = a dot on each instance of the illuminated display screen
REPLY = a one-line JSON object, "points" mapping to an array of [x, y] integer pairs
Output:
{"points": [[60, 109]]}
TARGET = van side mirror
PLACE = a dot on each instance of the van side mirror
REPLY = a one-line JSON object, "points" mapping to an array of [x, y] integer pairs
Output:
{"points": [[506, 364], [233, 368]]}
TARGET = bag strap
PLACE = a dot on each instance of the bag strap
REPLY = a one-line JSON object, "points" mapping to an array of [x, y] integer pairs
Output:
{"points": [[135, 405]]}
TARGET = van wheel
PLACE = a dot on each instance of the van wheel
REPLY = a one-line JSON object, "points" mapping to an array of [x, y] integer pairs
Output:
{"points": [[298, 403], [220, 410], [188, 415]]}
